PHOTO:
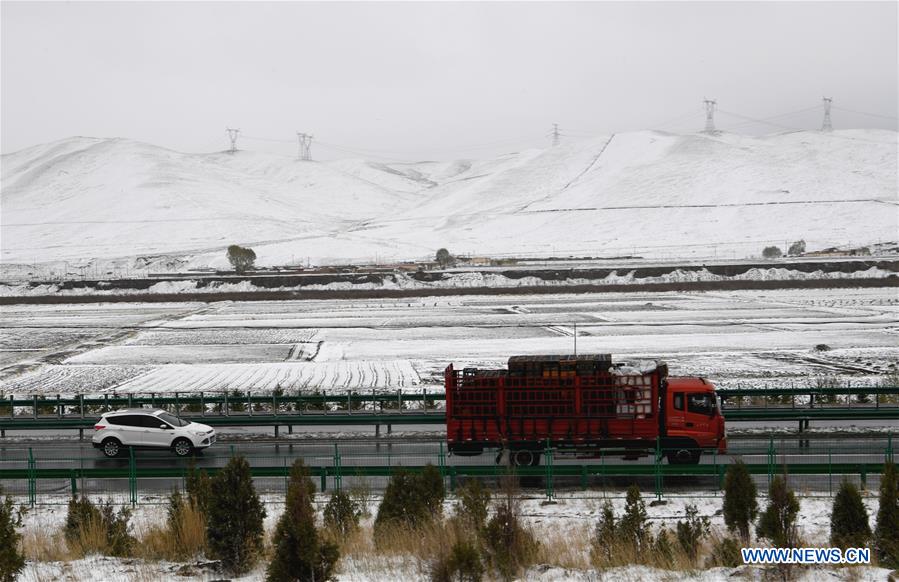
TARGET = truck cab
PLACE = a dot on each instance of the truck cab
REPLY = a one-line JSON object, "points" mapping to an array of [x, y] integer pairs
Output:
{"points": [[692, 420]]}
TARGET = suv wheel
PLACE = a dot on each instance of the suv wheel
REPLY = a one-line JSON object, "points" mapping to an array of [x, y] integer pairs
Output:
{"points": [[112, 447], [182, 447]]}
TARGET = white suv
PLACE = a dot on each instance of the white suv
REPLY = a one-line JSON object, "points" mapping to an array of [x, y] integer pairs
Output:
{"points": [[146, 428]]}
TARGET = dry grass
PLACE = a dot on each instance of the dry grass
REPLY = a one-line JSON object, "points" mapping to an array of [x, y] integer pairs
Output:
{"points": [[91, 539], [40, 545], [184, 539], [565, 547], [623, 553]]}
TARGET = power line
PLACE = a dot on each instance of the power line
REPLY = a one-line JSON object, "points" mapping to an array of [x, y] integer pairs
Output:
{"points": [[268, 139], [865, 113], [778, 116]]}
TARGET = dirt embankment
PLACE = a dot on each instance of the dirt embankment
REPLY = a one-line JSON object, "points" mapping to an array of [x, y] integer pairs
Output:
{"points": [[891, 281]]}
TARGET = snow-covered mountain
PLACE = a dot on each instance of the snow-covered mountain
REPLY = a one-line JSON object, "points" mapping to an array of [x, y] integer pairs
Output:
{"points": [[657, 194]]}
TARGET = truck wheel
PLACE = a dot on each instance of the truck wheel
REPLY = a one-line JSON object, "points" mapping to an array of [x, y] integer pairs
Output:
{"points": [[684, 457], [525, 458]]}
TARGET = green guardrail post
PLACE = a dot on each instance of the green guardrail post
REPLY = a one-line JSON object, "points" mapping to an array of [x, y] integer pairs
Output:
{"points": [[132, 477], [771, 457], [889, 450], [324, 478], [864, 475], [32, 478], [717, 472], [74, 483], [830, 470], [548, 455], [657, 469], [337, 476], [584, 481], [452, 476], [441, 461]]}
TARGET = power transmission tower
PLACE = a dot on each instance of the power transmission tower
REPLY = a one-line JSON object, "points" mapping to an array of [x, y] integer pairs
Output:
{"points": [[827, 126], [555, 134], [710, 115], [305, 145], [232, 135]]}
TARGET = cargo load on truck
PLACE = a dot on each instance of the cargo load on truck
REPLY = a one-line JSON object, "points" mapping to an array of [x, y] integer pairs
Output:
{"points": [[581, 403]]}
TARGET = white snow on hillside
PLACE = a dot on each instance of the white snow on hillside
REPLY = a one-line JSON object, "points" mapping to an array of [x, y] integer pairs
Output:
{"points": [[651, 193]]}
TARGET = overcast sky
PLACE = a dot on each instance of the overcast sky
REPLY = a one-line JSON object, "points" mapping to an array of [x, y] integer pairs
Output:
{"points": [[435, 80]]}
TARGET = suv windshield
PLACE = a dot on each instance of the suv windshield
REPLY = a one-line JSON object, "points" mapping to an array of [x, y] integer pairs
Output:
{"points": [[172, 419]]}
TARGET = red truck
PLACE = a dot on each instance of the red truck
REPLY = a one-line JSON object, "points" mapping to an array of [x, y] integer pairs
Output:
{"points": [[583, 404]]}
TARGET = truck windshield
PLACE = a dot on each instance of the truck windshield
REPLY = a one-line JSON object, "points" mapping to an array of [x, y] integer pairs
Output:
{"points": [[701, 403]]}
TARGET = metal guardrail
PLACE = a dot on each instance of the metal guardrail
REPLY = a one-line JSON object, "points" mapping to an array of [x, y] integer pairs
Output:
{"points": [[389, 408], [44, 479]]}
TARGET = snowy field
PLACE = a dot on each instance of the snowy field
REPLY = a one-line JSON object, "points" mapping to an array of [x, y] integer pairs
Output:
{"points": [[735, 338], [568, 516]]}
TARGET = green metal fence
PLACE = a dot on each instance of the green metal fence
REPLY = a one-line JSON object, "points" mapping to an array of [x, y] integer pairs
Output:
{"points": [[47, 477], [382, 407]]}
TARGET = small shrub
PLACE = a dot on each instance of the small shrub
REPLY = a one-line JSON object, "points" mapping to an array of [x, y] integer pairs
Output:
{"points": [[431, 489], [299, 552], [91, 529], [411, 500], [632, 527], [604, 535], [778, 521], [662, 548], [473, 506], [772, 252], [822, 348], [462, 564], [511, 546], [184, 535], [234, 521], [692, 531], [361, 496], [342, 513], [886, 532], [237, 401], [849, 520], [199, 488], [725, 553], [740, 500], [11, 558]]}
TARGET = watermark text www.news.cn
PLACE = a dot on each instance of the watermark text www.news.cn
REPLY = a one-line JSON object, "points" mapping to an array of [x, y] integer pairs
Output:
{"points": [[806, 555]]}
